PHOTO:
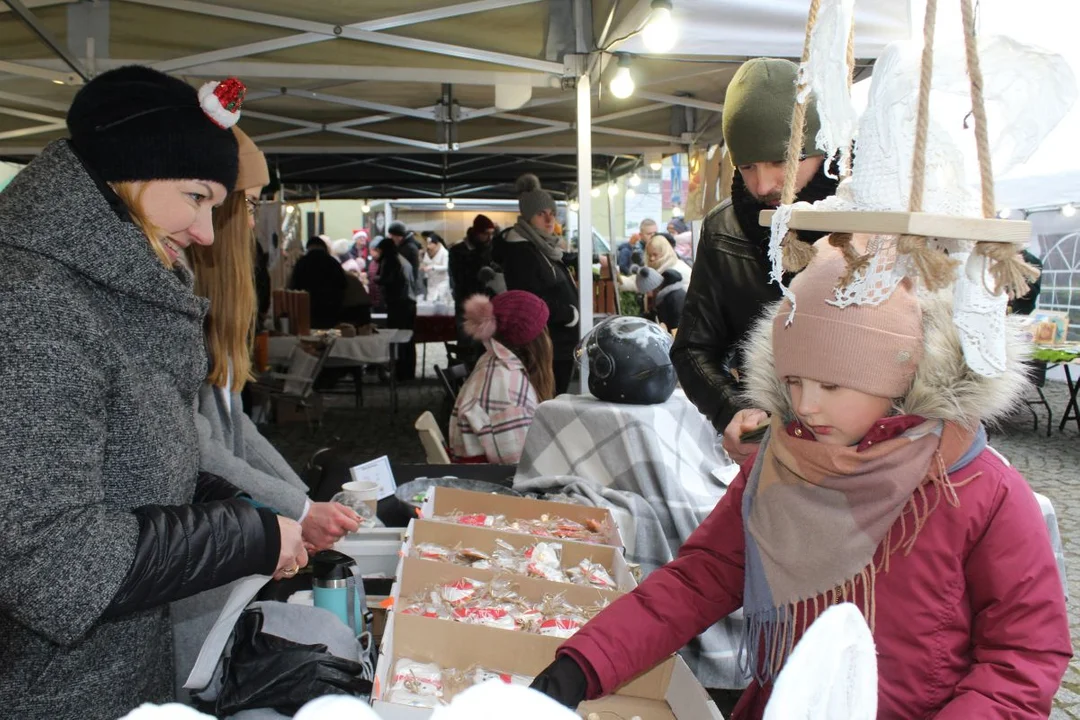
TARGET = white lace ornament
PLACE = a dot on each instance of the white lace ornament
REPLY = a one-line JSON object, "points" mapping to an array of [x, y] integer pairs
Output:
{"points": [[875, 283], [1027, 91], [778, 229], [826, 72], [979, 315]]}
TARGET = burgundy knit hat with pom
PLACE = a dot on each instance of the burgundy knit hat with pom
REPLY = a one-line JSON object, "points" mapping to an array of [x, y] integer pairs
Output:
{"points": [[516, 316]]}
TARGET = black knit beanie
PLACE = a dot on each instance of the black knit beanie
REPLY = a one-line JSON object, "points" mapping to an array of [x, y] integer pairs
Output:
{"points": [[135, 123]]}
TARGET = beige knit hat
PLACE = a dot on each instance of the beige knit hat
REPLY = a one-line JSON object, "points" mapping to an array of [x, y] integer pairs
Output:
{"points": [[253, 171], [870, 348]]}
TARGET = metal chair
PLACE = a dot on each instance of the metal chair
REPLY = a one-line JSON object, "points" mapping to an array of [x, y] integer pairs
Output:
{"points": [[452, 378], [1036, 370], [297, 386]]}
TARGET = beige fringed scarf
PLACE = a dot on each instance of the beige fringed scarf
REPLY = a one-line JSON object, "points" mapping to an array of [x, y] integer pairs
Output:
{"points": [[819, 522]]}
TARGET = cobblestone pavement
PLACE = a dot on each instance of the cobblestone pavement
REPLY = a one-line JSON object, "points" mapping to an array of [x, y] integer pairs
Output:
{"points": [[1052, 467]]}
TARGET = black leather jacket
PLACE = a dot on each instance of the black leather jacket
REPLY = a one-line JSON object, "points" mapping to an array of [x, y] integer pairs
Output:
{"points": [[185, 549], [728, 289]]}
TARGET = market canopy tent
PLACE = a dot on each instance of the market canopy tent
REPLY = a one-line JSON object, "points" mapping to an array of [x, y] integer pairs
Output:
{"points": [[365, 100]]}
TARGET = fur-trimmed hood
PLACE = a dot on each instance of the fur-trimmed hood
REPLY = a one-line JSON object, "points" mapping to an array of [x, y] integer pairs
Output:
{"points": [[944, 388]]}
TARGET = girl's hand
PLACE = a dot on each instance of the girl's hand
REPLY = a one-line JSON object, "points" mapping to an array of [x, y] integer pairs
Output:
{"points": [[743, 422]]}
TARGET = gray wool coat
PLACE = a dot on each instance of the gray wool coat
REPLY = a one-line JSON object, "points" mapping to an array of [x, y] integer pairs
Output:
{"points": [[231, 447], [102, 354]]}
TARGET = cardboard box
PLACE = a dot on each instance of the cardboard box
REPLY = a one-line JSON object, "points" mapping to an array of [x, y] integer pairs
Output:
{"points": [[485, 540], [446, 501], [419, 576], [667, 692]]}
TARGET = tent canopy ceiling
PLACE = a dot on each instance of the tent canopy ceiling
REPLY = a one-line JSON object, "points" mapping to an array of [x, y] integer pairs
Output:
{"points": [[390, 100]]}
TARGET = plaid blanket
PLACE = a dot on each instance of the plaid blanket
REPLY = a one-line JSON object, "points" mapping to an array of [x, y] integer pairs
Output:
{"points": [[659, 471]]}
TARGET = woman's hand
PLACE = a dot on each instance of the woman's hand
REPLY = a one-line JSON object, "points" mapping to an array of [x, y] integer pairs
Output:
{"points": [[292, 555], [328, 522]]}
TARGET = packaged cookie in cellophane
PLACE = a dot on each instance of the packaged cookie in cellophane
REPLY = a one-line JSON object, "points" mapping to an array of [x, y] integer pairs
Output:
{"points": [[416, 684], [589, 573]]}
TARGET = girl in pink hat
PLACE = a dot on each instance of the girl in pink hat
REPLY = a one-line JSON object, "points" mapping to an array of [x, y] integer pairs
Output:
{"points": [[874, 486], [496, 404]]}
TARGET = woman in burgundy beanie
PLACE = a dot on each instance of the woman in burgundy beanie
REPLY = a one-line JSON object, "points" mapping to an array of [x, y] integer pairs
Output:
{"points": [[495, 406]]}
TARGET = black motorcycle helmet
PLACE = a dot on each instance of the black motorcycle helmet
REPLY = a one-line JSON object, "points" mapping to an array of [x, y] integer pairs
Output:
{"points": [[629, 361]]}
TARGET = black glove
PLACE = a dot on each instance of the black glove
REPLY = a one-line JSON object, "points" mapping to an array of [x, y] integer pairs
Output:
{"points": [[264, 671], [564, 681]]}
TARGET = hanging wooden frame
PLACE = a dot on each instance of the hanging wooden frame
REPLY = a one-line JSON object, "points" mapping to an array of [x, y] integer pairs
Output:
{"points": [[906, 223], [999, 240]]}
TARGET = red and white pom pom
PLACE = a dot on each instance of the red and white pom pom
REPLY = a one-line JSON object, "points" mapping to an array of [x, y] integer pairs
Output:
{"points": [[480, 320], [221, 101]]}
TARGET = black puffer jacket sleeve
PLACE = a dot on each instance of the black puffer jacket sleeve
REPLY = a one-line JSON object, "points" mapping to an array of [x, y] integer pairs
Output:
{"points": [[185, 549], [210, 487], [729, 288]]}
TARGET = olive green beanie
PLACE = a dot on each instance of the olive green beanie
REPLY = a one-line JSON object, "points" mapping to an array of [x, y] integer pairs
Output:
{"points": [[757, 112]]}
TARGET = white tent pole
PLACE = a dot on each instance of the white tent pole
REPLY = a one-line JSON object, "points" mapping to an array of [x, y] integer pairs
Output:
{"points": [[329, 29], [14, 112], [35, 130], [58, 76], [681, 100], [37, 102], [611, 215], [584, 185]]}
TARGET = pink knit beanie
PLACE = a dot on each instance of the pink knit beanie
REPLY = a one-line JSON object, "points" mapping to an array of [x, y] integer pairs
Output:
{"points": [[515, 315], [874, 349]]}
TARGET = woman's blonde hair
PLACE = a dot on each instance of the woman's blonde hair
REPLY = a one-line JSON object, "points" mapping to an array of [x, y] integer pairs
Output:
{"points": [[225, 275], [538, 358], [132, 199], [667, 253]]}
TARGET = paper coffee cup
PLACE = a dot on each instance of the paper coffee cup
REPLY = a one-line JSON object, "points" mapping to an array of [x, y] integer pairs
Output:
{"points": [[365, 491]]}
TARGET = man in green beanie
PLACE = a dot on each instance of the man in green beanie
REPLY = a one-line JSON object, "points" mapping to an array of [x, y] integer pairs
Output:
{"points": [[730, 283]]}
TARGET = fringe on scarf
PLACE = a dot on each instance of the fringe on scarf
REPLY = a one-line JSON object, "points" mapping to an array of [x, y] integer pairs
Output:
{"points": [[769, 636]]}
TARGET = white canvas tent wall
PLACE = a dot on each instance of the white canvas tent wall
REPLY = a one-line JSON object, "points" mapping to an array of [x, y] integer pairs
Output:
{"points": [[384, 98]]}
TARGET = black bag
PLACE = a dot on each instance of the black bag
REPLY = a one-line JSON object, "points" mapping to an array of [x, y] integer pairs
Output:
{"points": [[264, 671]]}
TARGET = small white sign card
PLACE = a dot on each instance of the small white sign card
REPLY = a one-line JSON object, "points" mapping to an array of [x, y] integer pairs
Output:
{"points": [[377, 471]]}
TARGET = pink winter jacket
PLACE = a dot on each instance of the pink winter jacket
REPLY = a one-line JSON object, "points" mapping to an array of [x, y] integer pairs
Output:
{"points": [[971, 624]]}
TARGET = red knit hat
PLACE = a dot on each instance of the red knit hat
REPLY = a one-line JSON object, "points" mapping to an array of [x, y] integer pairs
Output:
{"points": [[482, 223], [516, 316]]}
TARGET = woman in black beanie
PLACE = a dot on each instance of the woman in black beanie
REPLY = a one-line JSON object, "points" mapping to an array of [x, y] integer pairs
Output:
{"points": [[532, 260], [107, 518]]}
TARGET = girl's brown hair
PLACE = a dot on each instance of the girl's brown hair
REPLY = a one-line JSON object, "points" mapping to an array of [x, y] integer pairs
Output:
{"points": [[132, 199], [538, 358], [225, 275]]}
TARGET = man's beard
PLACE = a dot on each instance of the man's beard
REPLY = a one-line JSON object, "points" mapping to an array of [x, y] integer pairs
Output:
{"points": [[748, 206], [772, 199]]}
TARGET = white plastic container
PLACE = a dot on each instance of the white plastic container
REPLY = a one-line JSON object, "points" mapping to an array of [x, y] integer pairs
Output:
{"points": [[376, 551]]}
